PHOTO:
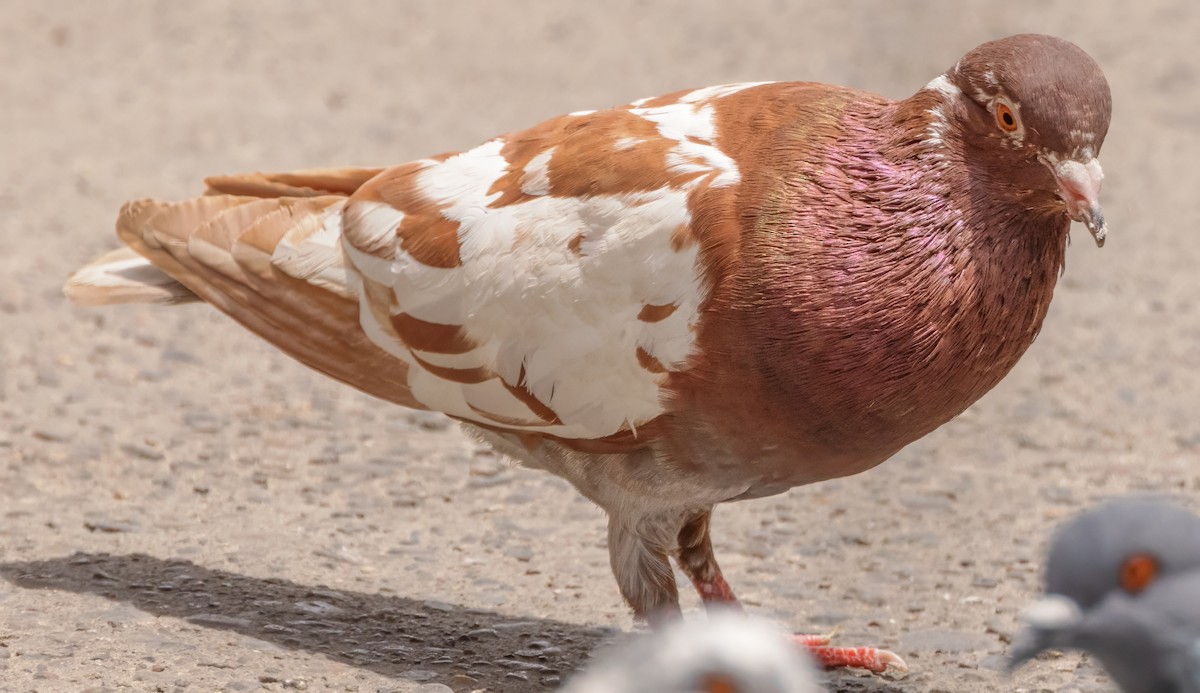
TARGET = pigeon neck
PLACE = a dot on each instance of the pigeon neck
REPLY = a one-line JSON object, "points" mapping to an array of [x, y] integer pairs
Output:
{"points": [[878, 295]]}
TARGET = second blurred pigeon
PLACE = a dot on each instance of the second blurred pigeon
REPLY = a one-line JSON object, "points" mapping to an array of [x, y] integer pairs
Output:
{"points": [[1123, 583], [726, 653]]}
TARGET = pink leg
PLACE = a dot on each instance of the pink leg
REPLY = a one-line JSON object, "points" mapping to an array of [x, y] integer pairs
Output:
{"points": [[715, 590], [697, 561]]}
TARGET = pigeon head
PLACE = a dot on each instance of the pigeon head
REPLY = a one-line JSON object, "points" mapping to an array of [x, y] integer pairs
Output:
{"points": [[1123, 546], [1120, 581], [1037, 109]]}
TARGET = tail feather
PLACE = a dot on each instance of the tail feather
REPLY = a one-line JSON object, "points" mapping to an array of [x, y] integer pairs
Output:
{"points": [[270, 257], [310, 183], [123, 276]]}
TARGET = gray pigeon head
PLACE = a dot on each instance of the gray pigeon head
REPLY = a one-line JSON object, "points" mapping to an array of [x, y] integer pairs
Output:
{"points": [[1123, 583], [725, 653]]}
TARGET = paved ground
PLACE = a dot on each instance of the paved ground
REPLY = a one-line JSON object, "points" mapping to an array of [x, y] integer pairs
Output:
{"points": [[182, 508]]}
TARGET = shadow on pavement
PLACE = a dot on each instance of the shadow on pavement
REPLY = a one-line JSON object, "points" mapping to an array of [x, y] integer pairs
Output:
{"points": [[394, 636]]}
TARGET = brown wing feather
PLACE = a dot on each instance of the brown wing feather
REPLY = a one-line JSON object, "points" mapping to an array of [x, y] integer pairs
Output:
{"points": [[309, 183], [221, 247], [360, 273]]}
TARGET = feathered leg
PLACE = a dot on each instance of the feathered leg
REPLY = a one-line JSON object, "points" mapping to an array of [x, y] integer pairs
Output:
{"points": [[643, 573]]}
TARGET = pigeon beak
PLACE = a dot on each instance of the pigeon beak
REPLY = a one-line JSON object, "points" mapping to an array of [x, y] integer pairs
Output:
{"points": [[1049, 622], [1079, 187]]}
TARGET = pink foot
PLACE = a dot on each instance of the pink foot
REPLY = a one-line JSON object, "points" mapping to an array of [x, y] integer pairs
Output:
{"points": [[715, 591], [869, 658]]}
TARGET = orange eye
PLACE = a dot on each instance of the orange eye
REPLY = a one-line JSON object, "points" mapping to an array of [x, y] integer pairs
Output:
{"points": [[1005, 118], [1137, 572]]}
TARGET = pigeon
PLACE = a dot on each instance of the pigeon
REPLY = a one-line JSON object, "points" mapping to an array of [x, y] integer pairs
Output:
{"points": [[727, 652], [713, 295], [1123, 583]]}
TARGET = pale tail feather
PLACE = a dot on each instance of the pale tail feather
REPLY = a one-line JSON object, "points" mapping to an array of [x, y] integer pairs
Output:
{"points": [[274, 264], [123, 276]]}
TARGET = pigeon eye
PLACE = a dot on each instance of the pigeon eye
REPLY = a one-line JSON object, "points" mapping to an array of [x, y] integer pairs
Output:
{"points": [[1005, 118], [1137, 572]]}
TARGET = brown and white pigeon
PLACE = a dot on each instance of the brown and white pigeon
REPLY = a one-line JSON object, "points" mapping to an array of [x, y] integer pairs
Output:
{"points": [[1123, 583], [708, 296]]}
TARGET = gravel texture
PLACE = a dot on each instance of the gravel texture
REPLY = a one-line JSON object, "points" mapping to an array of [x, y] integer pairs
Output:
{"points": [[184, 509]]}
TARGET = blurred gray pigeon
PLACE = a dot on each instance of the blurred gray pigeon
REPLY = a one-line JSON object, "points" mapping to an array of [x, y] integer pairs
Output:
{"points": [[1123, 583], [726, 653]]}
